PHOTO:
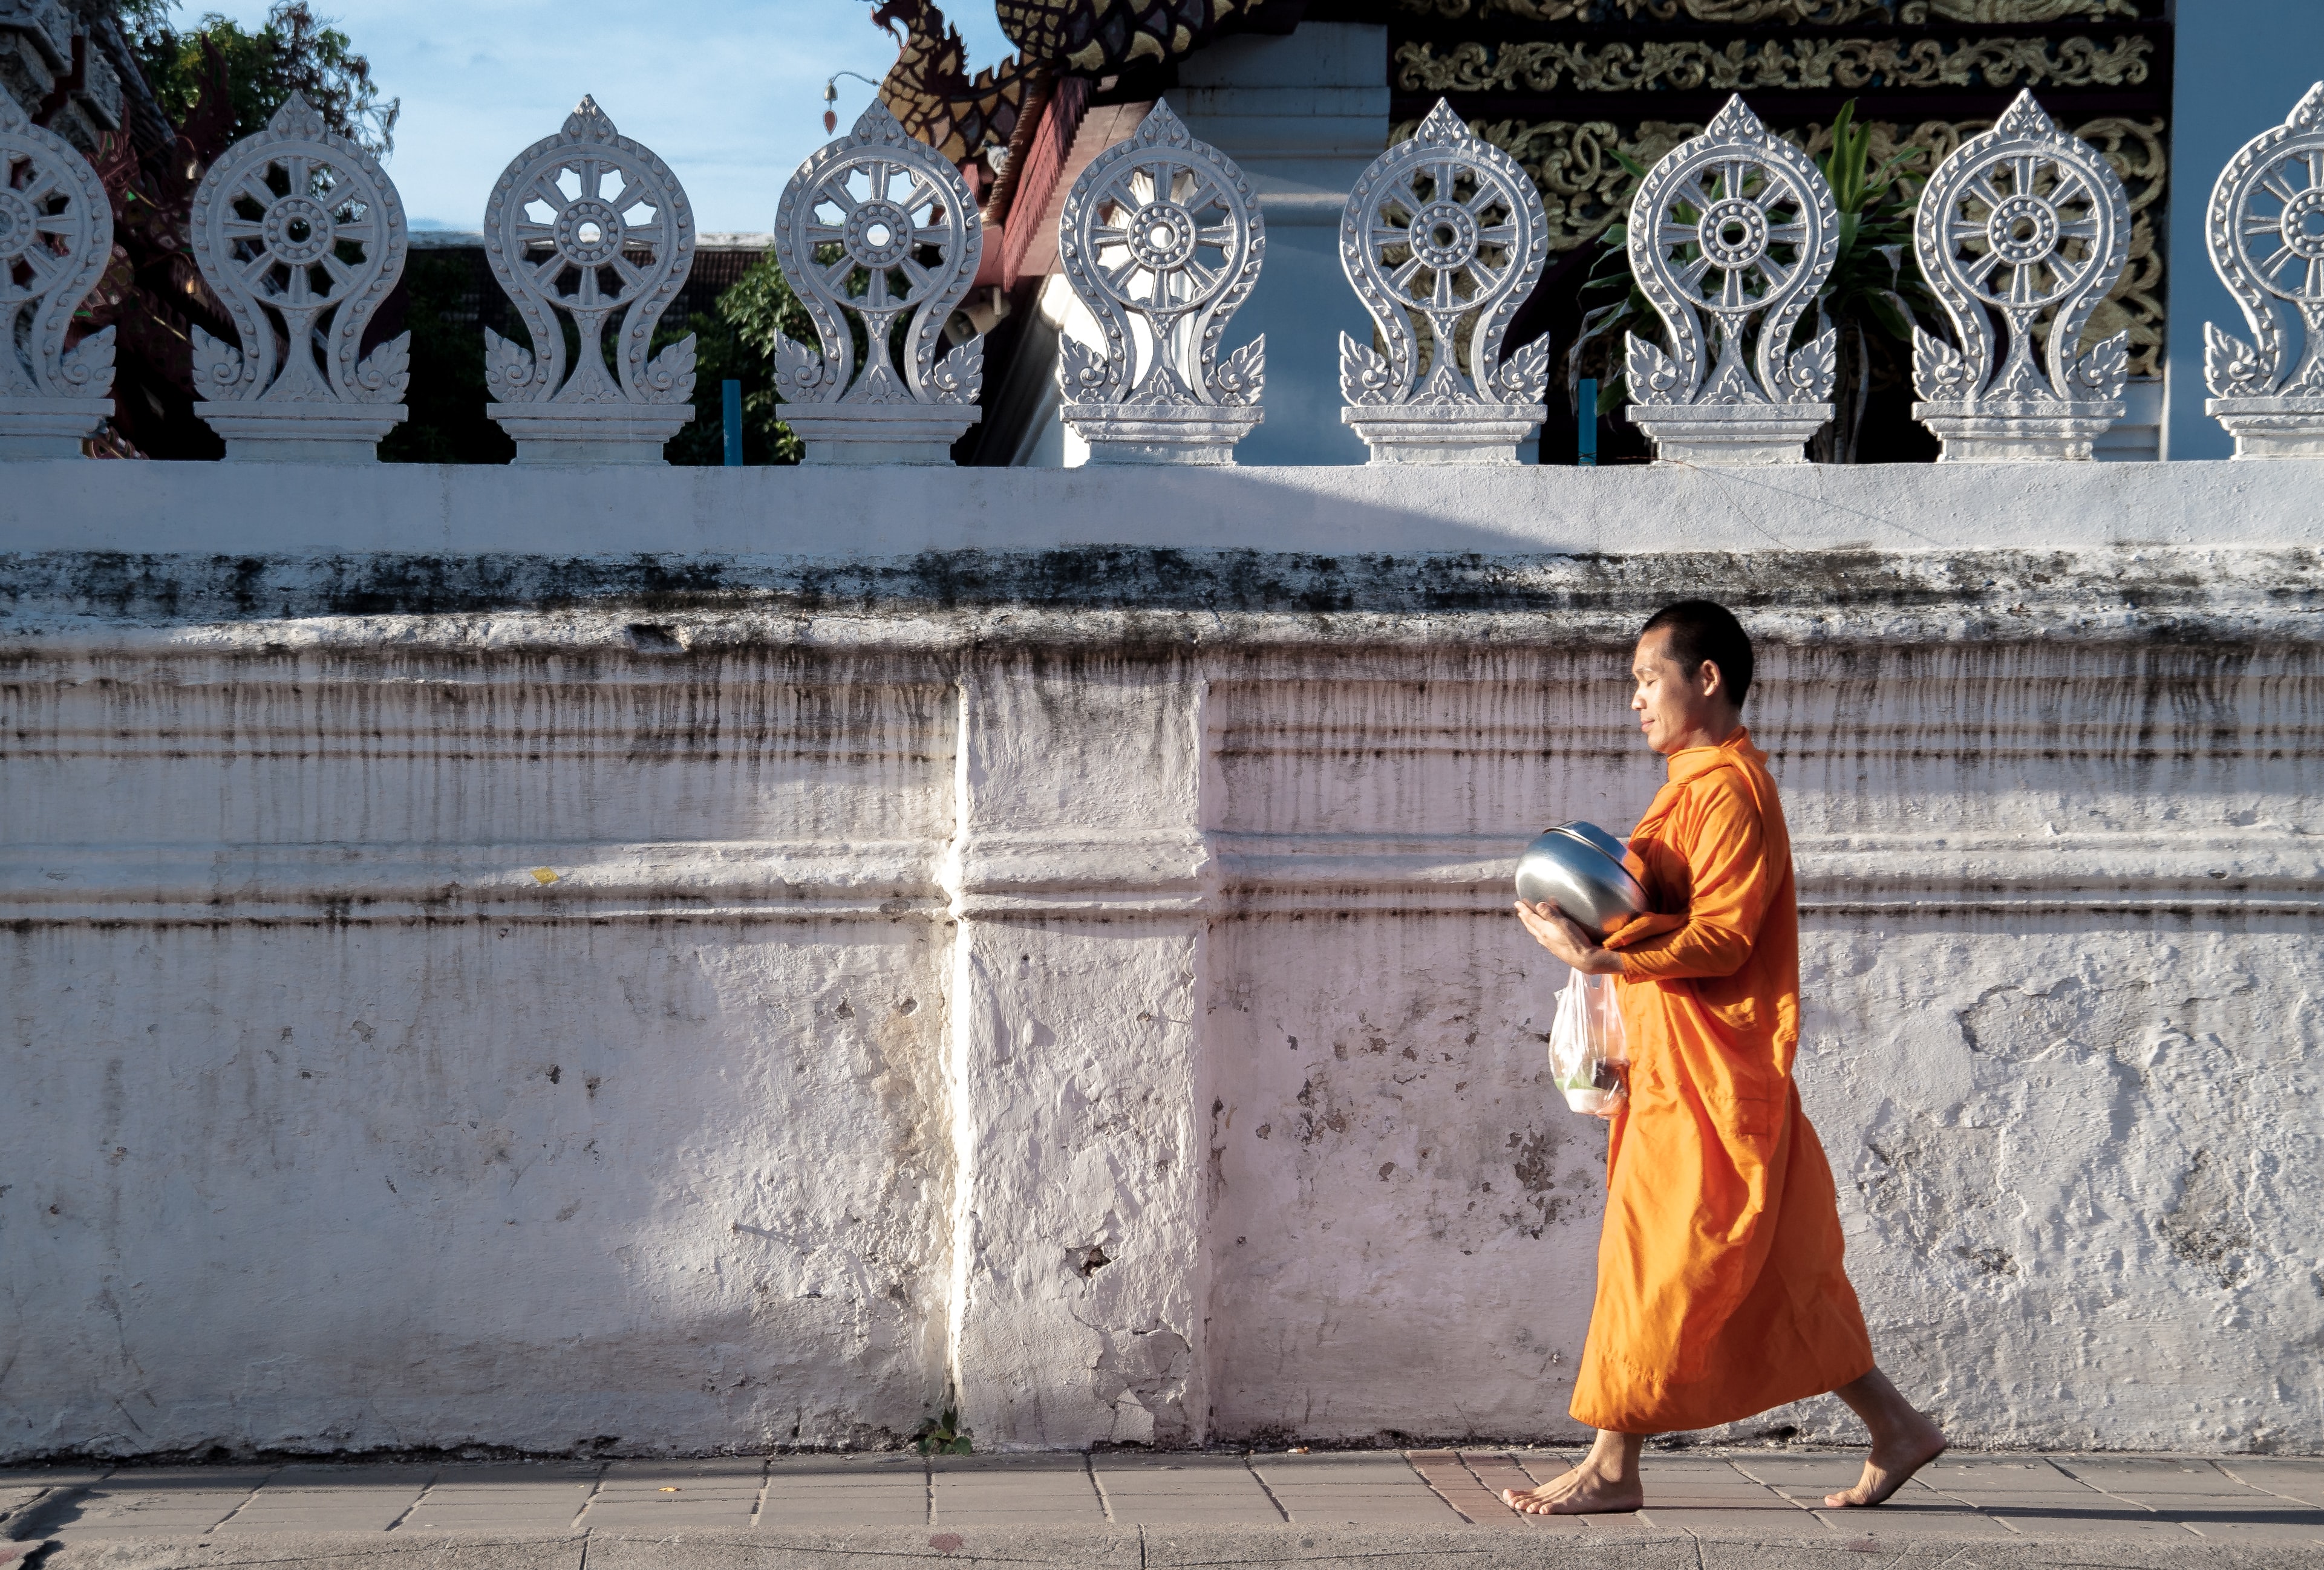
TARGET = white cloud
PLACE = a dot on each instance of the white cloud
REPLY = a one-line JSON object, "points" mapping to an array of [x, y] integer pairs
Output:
{"points": [[728, 92]]}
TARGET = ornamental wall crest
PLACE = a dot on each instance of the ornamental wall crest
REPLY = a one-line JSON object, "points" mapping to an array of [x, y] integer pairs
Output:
{"points": [[2030, 225], [589, 225], [1443, 230], [300, 233], [1730, 236], [1161, 241], [2265, 232], [56, 236], [879, 227]]}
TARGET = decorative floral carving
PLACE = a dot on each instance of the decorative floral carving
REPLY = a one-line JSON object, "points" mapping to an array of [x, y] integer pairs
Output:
{"points": [[1733, 231], [877, 226], [1161, 239], [1738, 65], [1582, 187], [2265, 229], [1441, 230], [2033, 226], [588, 223], [56, 235], [1818, 13], [298, 224]]}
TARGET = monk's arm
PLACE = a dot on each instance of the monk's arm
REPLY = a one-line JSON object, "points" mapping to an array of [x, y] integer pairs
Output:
{"points": [[1732, 882]]}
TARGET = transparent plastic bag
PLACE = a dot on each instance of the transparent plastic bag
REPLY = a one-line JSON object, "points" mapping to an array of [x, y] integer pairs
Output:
{"points": [[1589, 1048]]}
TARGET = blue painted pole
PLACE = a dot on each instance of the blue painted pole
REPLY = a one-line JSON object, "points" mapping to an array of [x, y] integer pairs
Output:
{"points": [[1587, 415], [733, 401]]}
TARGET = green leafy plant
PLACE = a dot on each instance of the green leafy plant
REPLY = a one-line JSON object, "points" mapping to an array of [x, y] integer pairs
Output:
{"points": [[943, 1435], [735, 341], [1871, 290], [1872, 297]]}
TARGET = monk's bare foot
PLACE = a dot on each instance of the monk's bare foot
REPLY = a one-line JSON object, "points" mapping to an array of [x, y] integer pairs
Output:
{"points": [[1894, 1457], [1583, 1491]]}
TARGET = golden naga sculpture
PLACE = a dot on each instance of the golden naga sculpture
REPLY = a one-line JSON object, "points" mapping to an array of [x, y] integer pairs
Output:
{"points": [[928, 88]]}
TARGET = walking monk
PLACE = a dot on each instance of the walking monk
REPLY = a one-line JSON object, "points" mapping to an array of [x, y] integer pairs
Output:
{"points": [[1720, 1291]]}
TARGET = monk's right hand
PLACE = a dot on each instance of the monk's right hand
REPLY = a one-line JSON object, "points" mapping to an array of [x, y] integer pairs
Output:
{"points": [[1556, 931]]}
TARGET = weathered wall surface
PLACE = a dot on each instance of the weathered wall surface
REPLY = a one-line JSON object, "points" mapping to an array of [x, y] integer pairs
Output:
{"points": [[567, 999]]}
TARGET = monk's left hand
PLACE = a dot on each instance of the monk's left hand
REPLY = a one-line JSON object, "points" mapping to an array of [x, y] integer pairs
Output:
{"points": [[1565, 938]]}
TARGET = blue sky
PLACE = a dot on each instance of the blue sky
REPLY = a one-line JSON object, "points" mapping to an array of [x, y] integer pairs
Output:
{"points": [[728, 92]]}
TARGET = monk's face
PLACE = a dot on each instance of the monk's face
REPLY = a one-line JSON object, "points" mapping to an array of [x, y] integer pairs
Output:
{"points": [[1678, 708]]}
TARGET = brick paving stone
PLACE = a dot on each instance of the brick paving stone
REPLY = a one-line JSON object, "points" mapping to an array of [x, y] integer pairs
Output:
{"points": [[1450, 1477], [2287, 1476], [2154, 1480], [1496, 1470]]}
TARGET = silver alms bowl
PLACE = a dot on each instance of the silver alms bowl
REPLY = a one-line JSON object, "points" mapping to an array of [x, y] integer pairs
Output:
{"points": [[1578, 866]]}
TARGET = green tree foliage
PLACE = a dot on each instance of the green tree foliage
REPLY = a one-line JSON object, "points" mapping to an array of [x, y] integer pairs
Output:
{"points": [[293, 51], [736, 341]]}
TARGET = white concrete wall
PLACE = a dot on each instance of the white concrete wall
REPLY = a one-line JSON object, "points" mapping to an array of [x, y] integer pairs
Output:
{"points": [[1074, 974]]}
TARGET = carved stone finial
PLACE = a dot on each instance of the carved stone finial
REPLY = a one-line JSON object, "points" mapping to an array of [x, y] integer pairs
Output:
{"points": [[56, 235], [2021, 222], [1442, 228], [1161, 240], [876, 226], [1730, 236], [589, 224], [300, 233], [2265, 234]]}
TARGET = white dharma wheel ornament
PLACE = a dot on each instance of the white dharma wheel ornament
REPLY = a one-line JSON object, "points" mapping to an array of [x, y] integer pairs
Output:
{"points": [[56, 235], [1442, 229], [2265, 232], [301, 233], [2031, 226], [590, 225], [877, 226], [1161, 241], [1732, 236]]}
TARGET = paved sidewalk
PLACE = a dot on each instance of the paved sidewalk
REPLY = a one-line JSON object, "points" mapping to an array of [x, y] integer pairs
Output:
{"points": [[1384, 1509]]}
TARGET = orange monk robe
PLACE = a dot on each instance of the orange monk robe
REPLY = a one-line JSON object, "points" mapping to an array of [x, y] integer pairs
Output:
{"points": [[1720, 1291]]}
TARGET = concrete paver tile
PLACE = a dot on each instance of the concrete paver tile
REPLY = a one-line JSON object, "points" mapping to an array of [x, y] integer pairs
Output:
{"points": [[661, 1518], [2152, 1479], [313, 1519], [2258, 1526], [839, 1520], [2287, 1477], [485, 1519], [1914, 1519], [1187, 1512], [688, 1494], [52, 1477], [1720, 1522]]}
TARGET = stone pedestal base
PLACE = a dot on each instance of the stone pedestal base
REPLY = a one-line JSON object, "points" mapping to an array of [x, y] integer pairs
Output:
{"points": [[1730, 435], [1200, 434], [584, 432], [880, 433], [1487, 433], [49, 427], [2271, 427], [302, 433], [2023, 432]]}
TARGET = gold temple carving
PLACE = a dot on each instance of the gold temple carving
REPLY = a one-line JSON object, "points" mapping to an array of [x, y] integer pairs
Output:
{"points": [[1739, 66]]}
